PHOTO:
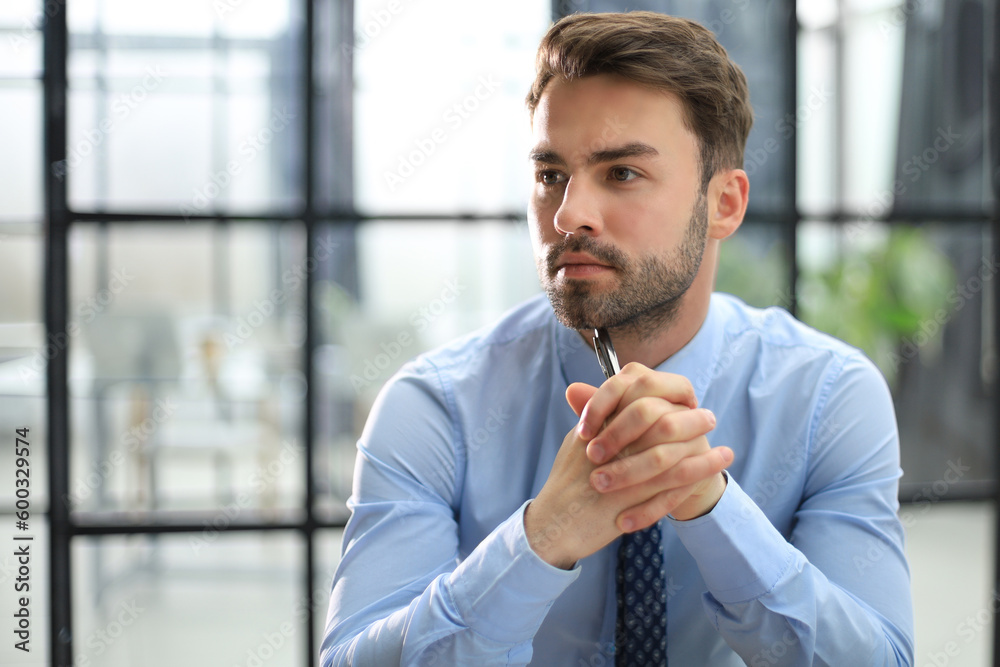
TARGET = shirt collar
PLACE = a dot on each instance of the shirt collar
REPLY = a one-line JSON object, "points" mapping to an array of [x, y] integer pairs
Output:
{"points": [[695, 361]]}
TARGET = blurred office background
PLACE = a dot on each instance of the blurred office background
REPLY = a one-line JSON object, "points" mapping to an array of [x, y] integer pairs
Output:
{"points": [[249, 213]]}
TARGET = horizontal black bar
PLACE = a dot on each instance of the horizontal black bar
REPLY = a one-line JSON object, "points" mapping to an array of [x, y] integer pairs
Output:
{"points": [[154, 523], [919, 493], [333, 216], [151, 523], [899, 217]]}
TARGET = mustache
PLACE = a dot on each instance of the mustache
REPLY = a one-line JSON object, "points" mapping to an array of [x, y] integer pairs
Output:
{"points": [[611, 256]]}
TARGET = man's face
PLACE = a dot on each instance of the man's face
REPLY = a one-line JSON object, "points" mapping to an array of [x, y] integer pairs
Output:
{"points": [[617, 216]]}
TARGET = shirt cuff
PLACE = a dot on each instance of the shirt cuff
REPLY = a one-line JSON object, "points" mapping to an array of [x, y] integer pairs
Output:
{"points": [[740, 554], [504, 591]]}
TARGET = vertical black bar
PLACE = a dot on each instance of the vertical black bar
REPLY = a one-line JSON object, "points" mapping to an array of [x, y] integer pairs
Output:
{"points": [[57, 336], [791, 225], [993, 133], [309, 219]]}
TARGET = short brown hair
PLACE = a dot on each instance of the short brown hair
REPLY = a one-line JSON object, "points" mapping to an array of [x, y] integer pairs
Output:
{"points": [[663, 52]]}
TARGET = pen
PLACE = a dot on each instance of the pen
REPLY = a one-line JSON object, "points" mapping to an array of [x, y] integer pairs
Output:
{"points": [[605, 352]]}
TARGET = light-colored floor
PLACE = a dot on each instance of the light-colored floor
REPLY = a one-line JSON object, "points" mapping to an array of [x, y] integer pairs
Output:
{"points": [[234, 600], [951, 551]]}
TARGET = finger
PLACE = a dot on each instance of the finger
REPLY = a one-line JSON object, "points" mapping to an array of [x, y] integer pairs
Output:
{"points": [[670, 387], [647, 422], [698, 468], [676, 485], [633, 382], [646, 514], [577, 395], [652, 463], [602, 404]]}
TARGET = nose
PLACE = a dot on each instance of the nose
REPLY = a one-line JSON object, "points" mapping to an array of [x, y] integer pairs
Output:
{"points": [[579, 212]]}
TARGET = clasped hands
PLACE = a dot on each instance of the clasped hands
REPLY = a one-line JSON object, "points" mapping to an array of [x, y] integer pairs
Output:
{"points": [[638, 453]]}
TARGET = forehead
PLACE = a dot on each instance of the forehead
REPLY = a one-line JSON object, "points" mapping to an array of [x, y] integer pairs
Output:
{"points": [[612, 110]]}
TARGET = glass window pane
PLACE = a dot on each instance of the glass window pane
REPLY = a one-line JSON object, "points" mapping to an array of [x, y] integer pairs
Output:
{"points": [[819, 149], [20, 52], [21, 108], [447, 279], [917, 300], [942, 158], [185, 375], [872, 61], [23, 361], [753, 265], [437, 132], [26, 14], [202, 599], [181, 123]]}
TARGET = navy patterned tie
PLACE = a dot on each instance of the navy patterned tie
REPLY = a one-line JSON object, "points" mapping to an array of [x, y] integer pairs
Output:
{"points": [[641, 627]]}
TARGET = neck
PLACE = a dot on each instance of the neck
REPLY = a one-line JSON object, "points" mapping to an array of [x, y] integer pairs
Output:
{"points": [[652, 346]]}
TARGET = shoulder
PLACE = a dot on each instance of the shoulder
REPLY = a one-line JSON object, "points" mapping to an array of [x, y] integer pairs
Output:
{"points": [[783, 349], [775, 329], [523, 331]]}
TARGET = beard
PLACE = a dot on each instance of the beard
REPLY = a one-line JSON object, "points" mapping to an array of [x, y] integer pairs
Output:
{"points": [[648, 296]]}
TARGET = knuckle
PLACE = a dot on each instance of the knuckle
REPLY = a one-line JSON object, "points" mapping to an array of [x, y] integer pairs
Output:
{"points": [[647, 409], [646, 382], [686, 385], [665, 426], [661, 457], [633, 368]]}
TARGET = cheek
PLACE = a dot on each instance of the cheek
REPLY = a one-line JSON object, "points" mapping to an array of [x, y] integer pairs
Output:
{"points": [[534, 233], [648, 227]]}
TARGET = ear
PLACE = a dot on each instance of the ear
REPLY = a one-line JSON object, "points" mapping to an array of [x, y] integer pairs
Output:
{"points": [[728, 193]]}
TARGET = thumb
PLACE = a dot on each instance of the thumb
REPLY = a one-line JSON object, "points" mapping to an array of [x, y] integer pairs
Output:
{"points": [[577, 395]]}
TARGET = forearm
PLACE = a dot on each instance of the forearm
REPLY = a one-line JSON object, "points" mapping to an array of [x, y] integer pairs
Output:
{"points": [[485, 611], [774, 607]]}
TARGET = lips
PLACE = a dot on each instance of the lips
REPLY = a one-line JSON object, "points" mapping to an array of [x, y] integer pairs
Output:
{"points": [[579, 259], [580, 266]]}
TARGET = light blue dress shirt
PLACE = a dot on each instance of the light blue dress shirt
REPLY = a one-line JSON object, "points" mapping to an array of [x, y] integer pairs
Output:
{"points": [[800, 563]]}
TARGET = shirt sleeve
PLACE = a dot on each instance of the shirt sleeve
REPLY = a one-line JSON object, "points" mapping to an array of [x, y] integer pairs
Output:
{"points": [[401, 594], [838, 589]]}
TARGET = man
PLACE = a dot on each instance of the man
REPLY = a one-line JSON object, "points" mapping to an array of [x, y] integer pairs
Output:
{"points": [[497, 476]]}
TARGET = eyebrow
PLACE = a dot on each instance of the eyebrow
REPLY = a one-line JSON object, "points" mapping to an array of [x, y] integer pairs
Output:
{"points": [[633, 149]]}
